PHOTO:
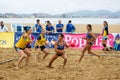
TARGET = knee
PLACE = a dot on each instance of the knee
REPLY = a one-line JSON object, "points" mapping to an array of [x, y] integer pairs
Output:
{"points": [[83, 51], [89, 52], [104, 45], [24, 56], [46, 53], [65, 59], [28, 55]]}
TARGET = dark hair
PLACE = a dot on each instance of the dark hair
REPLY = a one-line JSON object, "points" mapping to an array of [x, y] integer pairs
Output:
{"points": [[106, 23], [61, 35], [90, 26], [48, 21], [69, 21], [26, 28], [37, 20]]}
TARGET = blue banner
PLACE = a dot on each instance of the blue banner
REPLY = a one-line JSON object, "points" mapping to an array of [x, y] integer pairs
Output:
{"points": [[53, 37], [50, 38]]}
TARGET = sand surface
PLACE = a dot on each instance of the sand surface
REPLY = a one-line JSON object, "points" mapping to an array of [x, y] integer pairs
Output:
{"points": [[90, 68]]}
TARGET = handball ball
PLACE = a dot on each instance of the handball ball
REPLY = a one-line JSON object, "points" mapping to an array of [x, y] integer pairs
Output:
{"points": [[72, 45]]}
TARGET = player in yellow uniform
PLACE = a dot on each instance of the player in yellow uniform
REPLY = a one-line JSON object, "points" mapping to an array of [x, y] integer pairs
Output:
{"points": [[40, 45], [20, 46], [105, 33]]}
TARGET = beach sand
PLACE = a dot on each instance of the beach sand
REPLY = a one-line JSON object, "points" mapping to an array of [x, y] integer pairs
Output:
{"points": [[81, 28], [90, 68]]}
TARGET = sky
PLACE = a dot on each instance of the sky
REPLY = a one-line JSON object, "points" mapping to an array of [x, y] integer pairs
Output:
{"points": [[56, 6]]}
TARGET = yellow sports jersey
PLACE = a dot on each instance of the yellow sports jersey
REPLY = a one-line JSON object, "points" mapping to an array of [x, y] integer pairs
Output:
{"points": [[23, 41], [41, 40], [105, 33]]}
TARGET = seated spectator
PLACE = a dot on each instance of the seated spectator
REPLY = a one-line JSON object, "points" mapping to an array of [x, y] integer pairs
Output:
{"points": [[117, 43], [3, 28], [38, 26], [59, 26], [49, 28], [70, 27]]}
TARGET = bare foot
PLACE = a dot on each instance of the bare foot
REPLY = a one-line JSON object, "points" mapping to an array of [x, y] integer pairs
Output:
{"points": [[49, 66], [63, 66], [17, 68], [77, 61]]}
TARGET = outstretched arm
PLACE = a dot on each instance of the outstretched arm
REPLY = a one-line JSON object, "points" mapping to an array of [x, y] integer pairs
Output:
{"points": [[66, 44]]}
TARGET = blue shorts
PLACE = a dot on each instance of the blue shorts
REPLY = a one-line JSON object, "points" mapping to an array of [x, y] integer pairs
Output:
{"points": [[28, 46], [91, 43], [104, 38]]}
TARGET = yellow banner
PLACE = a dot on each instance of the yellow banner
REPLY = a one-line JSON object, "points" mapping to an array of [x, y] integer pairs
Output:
{"points": [[6, 40]]}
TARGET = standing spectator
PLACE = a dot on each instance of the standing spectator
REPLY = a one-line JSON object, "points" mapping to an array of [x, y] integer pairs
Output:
{"points": [[38, 26], [3, 28], [70, 27], [105, 32], [59, 26], [49, 27]]}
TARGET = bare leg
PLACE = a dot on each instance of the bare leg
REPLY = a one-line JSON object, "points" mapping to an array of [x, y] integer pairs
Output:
{"points": [[38, 54], [83, 51], [28, 53], [52, 60], [46, 53], [30, 49], [89, 51], [64, 56], [105, 47], [22, 56]]}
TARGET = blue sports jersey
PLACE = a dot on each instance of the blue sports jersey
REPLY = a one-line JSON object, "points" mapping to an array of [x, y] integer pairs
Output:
{"points": [[38, 28], [50, 28], [59, 26], [70, 28]]}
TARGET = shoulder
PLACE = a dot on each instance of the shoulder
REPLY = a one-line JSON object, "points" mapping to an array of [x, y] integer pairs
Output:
{"points": [[68, 24], [56, 43], [90, 33], [106, 27], [46, 26]]}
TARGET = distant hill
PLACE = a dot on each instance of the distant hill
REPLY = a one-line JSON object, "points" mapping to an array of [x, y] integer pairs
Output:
{"points": [[76, 14], [88, 13]]}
